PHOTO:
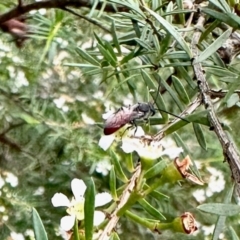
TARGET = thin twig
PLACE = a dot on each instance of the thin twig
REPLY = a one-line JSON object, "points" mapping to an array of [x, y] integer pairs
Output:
{"points": [[229, 149], [93, 21], [191, 108], [123, 199]]}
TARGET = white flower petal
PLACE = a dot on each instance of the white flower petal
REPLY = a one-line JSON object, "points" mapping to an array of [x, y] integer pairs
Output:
{"points": [[172, 152], [98, 218], [67, 222], [60, 200], [152, 150], [102, 199], [106, 141], [78, 188]]}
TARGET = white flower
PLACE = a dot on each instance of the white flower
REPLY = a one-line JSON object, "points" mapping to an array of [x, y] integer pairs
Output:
{"points": [[146, 146], [106, 140], [76, 206], [103, 167]]}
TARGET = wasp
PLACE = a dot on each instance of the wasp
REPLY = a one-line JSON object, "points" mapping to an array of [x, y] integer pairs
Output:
{"points": [[129, 115]]}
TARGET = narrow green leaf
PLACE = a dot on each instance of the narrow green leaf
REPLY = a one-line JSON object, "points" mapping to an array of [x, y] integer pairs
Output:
{"points": [[231, 88], [182, 94], [170, 91], [165, 43], [176, 55], [233, 233], [223, 17], [169, 28], [117, 167], [110, 49], [115, 38], [233, 99], [133, 6], [180, 143], [143, 44], [185, 75], [87, 57], [151, 210], [28, 118], [200, 117], [156, 169], [89, 206], [209, 30], [181, 15], [136, 27], [199, 135], [112, 183], [221, 219], [169, 8], [155, 95], [107, 55], [218, 4], [214, 46], [159, 196], [75, 230], [177, 12], [220, 72], [220, 209], [39, 230], [98, 39], [114, 236]]}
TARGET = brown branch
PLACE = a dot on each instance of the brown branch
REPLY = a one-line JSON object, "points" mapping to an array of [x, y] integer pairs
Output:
{"points": [[191, 108], [229, 149], [123, 199], [58, 4], [220, 94]]}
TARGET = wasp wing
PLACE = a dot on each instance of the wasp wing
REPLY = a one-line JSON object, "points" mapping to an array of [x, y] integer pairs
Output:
{"points": [[120, 118]]}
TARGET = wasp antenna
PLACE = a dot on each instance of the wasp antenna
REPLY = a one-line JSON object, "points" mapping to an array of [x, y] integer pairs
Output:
{"points": [[161, 110]]}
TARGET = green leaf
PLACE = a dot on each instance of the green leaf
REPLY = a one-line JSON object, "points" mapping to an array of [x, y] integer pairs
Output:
{"points": [[233, 233], [112, 183], [223, 17], [220, 209], [220, 72], [213, 47], [75, 230], [89, 206], [233, 99], [185, 75], [156, 169], [159, 196], [151, 210], [221, 219], [117, 167], [199, 135], [182, 94], [169, 28], [172, 93], [180, 143], [133, 6], [28, 119], [221, 4], [88, 57], [107, 55], [39, 230], [114, 236], [176, 55], [209, 30], [155, 95], [115, 38]]}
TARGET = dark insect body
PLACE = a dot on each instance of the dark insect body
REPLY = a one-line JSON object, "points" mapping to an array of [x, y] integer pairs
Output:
{"points": [[124, 116]]}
